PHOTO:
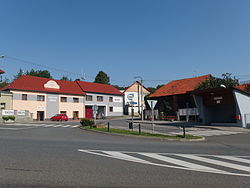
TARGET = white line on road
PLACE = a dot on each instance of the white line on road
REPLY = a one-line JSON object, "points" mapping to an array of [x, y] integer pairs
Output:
{"points": [[216, 162], [179, 162]]}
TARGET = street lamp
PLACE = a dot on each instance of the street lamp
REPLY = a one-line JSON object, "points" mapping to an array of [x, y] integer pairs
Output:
{"points": [[140, 98]]}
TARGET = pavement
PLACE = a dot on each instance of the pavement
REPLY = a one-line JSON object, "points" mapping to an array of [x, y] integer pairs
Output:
{"points": [[42, 155]]}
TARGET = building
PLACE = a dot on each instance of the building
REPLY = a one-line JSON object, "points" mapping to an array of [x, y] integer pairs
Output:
{"points": [[173, 99], [223, 106], [104, 98], [44, 97], [134, 98], [6, 100]]}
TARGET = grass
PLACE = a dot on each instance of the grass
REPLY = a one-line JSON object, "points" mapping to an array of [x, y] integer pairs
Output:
{"points": [[136, 133]]}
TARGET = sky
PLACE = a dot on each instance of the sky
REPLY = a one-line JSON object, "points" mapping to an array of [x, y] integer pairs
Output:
{"points": [[158, 40]]}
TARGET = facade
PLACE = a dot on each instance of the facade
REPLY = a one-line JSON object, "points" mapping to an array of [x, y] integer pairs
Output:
{"points": [[6, 100], [105, 99], [134, 98], [44, 97], [223, 106]]}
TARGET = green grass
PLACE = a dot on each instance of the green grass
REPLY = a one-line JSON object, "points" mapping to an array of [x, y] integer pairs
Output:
{"points": [[128, 132]]}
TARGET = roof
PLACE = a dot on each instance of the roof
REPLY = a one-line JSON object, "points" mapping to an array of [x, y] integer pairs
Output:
{"points": [[136, 83], [98, 88], [242, 86], [1, 71], [36, 84], [182, 86]]}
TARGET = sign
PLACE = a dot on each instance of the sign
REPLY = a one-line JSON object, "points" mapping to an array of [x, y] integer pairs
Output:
{"points": [[8, 112], [117, 99], [133, 102], [21, 112], [218, 98], [130, 96], [152, 103], [188, 111]]}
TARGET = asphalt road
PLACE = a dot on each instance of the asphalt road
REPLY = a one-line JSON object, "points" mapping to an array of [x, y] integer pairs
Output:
{"points": [[33, 156]]}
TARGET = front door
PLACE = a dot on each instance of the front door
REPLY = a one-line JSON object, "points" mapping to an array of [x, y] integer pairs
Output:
{"points": [[89, 112], [40, 115]]}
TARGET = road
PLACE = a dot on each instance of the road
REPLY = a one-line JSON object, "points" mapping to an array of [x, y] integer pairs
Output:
{"points": [[50, 155]]}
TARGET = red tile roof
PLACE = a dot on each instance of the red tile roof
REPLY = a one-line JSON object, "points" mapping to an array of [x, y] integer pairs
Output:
{"points": [[36, 84], [1, 71], [98, 88], [242, 87], [179, 86]]}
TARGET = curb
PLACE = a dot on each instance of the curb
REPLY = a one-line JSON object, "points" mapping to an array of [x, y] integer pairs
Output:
{"points": [[138, 136]]}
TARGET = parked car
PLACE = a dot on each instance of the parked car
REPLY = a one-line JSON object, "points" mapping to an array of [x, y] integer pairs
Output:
{"points": [[59, 117]]}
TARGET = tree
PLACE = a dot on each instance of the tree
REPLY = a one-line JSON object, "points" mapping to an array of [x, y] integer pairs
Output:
{"points": [[213, 82], [20, 73], [4, 83], [39, 73], [66, 78], [102, 78]]}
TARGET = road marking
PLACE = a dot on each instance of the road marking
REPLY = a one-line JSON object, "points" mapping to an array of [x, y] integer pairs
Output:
{"points": [[216, 162], [234, 158], [179, 162], [75, 126], [124, 156], [183, 165], [66, 126]]}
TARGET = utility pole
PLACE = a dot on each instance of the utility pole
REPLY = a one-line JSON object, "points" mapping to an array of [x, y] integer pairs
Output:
{"points": [[140, 96]]}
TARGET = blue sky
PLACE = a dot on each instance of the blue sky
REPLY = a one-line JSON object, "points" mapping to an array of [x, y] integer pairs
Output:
{"points": [[157, 40]]}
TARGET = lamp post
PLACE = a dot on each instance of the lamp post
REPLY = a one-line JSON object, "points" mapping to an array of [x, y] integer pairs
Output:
{"points": [[140, 96]]}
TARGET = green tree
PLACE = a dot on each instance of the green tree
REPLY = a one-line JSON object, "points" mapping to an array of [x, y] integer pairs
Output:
{"points": [[20, 73], [66, 78], [102, 78], [39, 73], [213, 82], [4, 83]]}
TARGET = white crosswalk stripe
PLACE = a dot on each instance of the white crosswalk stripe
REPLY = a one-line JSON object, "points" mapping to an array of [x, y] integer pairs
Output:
{"points": [[218, 164], [44, 125], [207, 133]]}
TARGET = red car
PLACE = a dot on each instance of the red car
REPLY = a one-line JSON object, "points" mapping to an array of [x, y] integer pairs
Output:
{"points": [[59, 117]]}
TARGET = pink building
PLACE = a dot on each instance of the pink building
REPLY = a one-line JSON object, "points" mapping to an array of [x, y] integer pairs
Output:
{"points": [[44, 97]]}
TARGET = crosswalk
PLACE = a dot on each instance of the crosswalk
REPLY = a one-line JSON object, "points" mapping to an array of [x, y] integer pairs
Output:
{"points": [[218, 164], [207, 132], [45, 125]]}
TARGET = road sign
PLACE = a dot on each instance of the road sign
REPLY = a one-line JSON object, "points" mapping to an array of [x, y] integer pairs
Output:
{"points": [[132, 102], [130, 96], [152, 103]]}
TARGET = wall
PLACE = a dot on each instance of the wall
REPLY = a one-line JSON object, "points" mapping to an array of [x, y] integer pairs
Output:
{"points": [[70, 106], [31, 104], [243, 105], [6, 97], [117, 103]]}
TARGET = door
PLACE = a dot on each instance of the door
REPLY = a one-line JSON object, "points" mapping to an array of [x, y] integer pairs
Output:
{"points": [[89, 112], [75, 115], [40, 115]]}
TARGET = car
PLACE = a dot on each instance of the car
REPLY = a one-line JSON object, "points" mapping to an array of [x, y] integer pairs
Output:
{"points": [[59, 117]]}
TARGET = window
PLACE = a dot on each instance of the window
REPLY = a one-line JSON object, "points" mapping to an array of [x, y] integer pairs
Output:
{"points": [[89, 98], [75, 100], [110, 99], [111, 109], [99, 98], [3, 105], [40, 97], [63, 112], [63, 99], [24, 97]]}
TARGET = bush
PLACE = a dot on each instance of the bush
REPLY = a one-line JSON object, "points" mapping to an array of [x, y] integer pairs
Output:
{"points": [[6, 118], [87, 122]]}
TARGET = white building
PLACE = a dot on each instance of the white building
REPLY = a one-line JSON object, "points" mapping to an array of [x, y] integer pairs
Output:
{"points": [[134, 98]]}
